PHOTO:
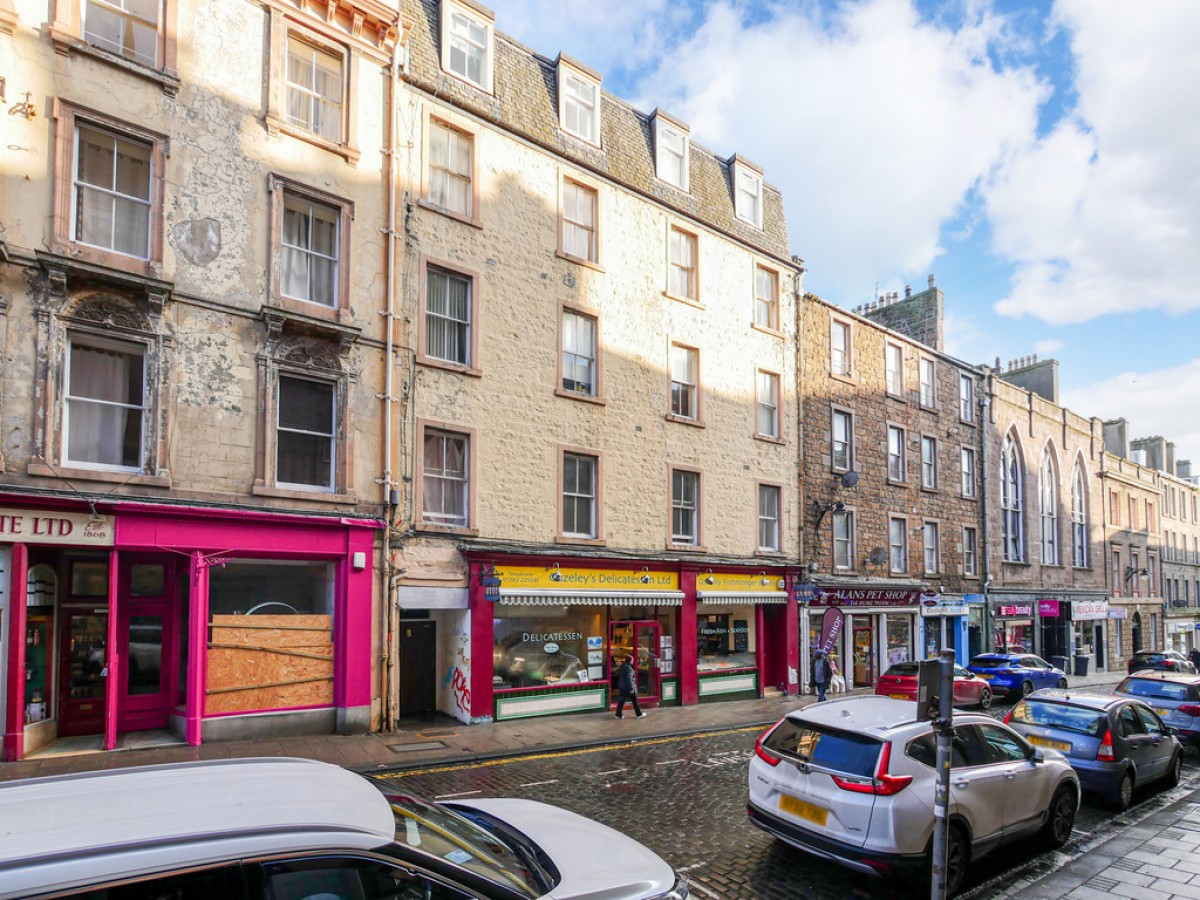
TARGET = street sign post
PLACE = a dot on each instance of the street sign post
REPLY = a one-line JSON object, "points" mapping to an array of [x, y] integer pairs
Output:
{"points": [[944, 727]]}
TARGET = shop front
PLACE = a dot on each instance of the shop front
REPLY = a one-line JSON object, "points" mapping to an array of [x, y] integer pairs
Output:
{"points": [[944, 622], [881, 628], [1013, 626], [1179, 634], [101, 639], [1089, 639], [557, 635]]}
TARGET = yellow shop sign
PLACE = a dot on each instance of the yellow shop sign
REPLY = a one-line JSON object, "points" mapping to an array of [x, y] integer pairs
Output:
{"points": [[556, 578], [739, 582]]}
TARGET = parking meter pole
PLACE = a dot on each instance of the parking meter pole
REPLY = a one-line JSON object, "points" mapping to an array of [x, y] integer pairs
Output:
{"points": [[943, 726]]}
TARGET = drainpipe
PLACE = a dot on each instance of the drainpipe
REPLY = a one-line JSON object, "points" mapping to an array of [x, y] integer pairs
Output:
{"points": [[985, 403], [390, 495]]}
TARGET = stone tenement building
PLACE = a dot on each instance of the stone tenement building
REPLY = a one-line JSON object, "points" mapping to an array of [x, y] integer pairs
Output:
{"points": [[892, 481], [1044, 530], [601, 434], [191, 471]]}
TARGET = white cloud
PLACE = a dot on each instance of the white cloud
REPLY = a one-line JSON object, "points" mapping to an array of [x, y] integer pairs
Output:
{"points": [[1048, 346], [1164, 402], [1102, 215]]}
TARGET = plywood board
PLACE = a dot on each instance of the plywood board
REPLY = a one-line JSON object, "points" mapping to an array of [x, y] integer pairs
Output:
{"points": [[269, 662]]}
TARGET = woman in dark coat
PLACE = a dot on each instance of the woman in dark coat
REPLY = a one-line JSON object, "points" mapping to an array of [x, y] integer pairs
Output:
{"points": [[627, 688]]}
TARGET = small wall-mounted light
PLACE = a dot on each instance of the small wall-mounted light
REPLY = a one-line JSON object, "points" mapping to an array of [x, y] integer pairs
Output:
{"points": [[763, 577], [645, 574], [708, 578], [556, 573]]}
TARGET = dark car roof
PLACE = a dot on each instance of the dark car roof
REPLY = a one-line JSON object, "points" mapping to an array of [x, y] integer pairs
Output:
{"points": [[1156, 675], [1077, 698]]}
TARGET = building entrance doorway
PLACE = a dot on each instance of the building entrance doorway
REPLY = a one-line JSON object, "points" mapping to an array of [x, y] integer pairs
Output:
{"points": [[641, 640]]}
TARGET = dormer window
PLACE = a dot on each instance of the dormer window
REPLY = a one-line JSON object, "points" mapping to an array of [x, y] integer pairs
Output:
{"points": [[467, 42], [671, 151], [747, 192], [578, 100]]}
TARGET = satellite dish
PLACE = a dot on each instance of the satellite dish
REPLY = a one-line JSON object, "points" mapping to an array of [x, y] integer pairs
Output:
{"points": [[850, 479]]}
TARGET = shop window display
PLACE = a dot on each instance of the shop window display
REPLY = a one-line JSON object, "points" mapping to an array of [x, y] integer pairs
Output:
{"points": [[269, 587], [726, 640], [547, 647], [899, 639]]}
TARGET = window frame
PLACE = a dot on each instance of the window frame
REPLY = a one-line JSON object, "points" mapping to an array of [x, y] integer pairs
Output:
{"points": [[470, 367], [743, 173], [1012, 500], [1048, 489], [929, 466], [696, 392], [440, 118], [562, 536], [893, 378], [834, 413], [848, 516], [67, 32], [481, 17], [970, 551], [776, 381], [123, 346], [597, 395], [68, 118], [931, 529], [569, 70], [900, 547], [846, 370], [900, 476], [697, 509], [665, 125], [771, 302], [926, 390], [966, 398], [567, 182], [278, 189], [337, 417], [777, 548], [468, 434], [968, 475], [688, 238], [319, 48]]}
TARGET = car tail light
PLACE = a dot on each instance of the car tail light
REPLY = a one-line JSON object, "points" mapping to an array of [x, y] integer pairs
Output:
{"points": [[1007, 716], [1190, 709], [1105, 753], [882, 785], [762, 752], [1170, 664]]}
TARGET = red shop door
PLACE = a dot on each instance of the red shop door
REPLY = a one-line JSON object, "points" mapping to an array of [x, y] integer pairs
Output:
{"points": [[641, 640], [147, 644]]}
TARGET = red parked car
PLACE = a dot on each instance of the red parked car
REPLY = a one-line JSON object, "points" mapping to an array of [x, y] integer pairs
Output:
{"points": [[900, 683]]}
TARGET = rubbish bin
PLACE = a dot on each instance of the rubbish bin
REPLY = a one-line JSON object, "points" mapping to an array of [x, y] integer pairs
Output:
{"points": [[1081, 664], [1061, 662]]}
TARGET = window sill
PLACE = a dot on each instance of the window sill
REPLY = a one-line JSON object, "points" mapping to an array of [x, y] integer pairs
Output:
{"points": [[686, 301], [962, 421], [898, 482], [845, 377], [66, 43], [108, 259], [892, 395], [466, 82], [580, 261], [1015, 562], [928, 407], [316, 495], [970, 576], [580, 541], [311, 316], [682, 420], [474, 221], [77, 474], [585, 398], [432, 528], [433, 363], [770, 553], [928, 490], [276, 125], [763, 329], [967, 497], [767, 439], [687, 548]]}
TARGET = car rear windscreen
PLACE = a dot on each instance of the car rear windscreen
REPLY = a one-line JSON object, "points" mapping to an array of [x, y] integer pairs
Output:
{"points": [[991, 662], [1159, 690], [904, 670], [841, 751], [1059, 715]]}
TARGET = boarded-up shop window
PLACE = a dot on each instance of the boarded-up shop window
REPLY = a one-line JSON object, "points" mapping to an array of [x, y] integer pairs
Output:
{"points": [[270, 636]]}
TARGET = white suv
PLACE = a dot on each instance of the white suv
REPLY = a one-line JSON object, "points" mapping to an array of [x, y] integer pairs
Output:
{"points": [[291, 829], [853, 781]]}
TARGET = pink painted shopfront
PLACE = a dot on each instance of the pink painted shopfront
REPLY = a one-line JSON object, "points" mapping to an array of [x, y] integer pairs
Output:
{"points": [[132, 622]]}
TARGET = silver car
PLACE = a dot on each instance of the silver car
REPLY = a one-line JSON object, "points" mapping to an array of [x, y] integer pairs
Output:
{"points": [[1175, 697], [853, 781]]}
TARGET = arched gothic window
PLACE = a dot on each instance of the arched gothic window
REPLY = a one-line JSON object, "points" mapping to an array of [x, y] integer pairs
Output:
{"points": [[1079, 523], [1011, 531], [1048, 508]]}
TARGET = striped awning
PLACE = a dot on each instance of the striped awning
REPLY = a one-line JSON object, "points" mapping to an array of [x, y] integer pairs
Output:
{"points": [[591, 598], [741, 598]]}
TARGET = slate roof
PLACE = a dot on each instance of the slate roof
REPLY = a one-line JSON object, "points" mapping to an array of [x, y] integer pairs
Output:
{"points": [[525, 103]]}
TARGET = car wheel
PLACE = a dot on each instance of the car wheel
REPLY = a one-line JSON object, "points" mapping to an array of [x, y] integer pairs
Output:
{"points": [[1123, 795], [1175, 770], [958, 854], [1026, 688], [985, 699], [1062, 684], [1061, 818]]}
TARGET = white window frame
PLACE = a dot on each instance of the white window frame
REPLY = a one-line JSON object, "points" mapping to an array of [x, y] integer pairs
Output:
{"points": [[465, 325], [1012, 527], [313, 98], [576, 357], [931, 540], [442, 172], [460, 481], [297, 202], [766, 298], [331, 436], [686, 507], [897, 545], [574, 496], [579, 101], [671, 151], [846, 440], [769, 520], [966, 462], [80, 188], [683, 264], [893, 369], [685, 385], [767, 383], [842, 527], [970, 551], [748, 194], [1048, 508], [456, 15], [966, 397], [926, 382], [896, 467], [929, 467], [575, 227], [129, 20], [841, 360], [104, 345]]}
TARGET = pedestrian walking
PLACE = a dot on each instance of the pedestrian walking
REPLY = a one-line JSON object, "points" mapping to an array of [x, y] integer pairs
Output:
{"points": [[1195, 657], [820, 673], [627, 688]]}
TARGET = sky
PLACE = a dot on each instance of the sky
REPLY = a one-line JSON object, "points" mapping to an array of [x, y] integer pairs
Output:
{"points": [[1041, 158]]}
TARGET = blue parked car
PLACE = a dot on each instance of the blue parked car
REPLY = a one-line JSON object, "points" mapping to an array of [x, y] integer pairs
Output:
{"points": [[1017, 674], [1114, 744]]}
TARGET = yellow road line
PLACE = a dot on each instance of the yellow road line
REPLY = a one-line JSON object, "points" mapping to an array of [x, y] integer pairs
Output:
{"points": [[559, 754]]}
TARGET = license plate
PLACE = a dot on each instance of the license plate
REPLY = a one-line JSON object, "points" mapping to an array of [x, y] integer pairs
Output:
{"points": [[1162, 712], [899, 696], [1046, 742], [986, 676], [801, 809]]}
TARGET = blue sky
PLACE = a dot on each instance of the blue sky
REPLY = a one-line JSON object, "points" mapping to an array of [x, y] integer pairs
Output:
{"points": [[1040, 158]]}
